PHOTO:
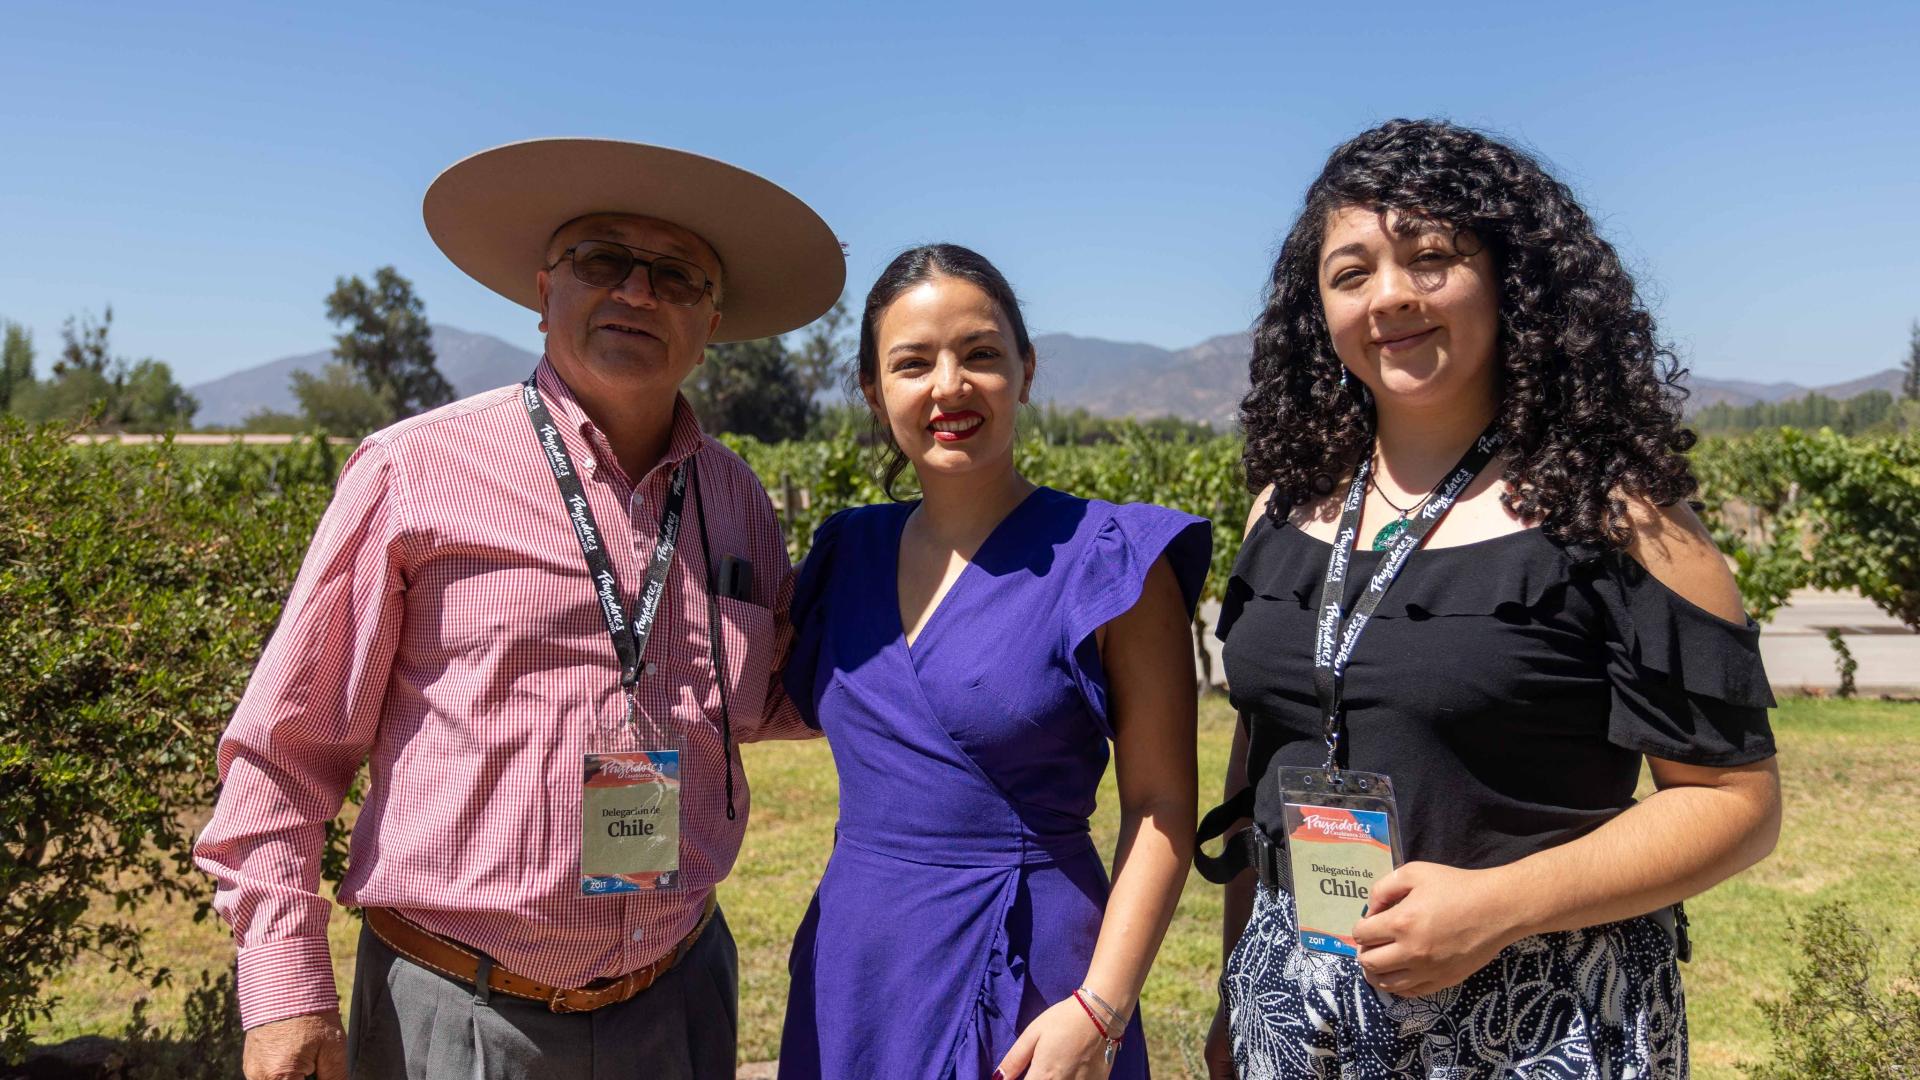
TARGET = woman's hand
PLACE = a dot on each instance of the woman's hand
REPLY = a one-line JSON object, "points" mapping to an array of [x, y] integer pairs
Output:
{"points": [[1429, 926], [1060, 1044]]}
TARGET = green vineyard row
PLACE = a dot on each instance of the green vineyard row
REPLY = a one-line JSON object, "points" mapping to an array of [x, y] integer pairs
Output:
{"points": [[1792, 509]]}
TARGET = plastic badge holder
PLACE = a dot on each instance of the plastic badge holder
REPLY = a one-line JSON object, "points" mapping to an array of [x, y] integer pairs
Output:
{"points": [[631, 808], [1342, 838]]}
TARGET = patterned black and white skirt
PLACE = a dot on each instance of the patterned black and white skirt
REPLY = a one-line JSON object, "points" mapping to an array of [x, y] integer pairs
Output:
{"points": [[1602, 1003]]}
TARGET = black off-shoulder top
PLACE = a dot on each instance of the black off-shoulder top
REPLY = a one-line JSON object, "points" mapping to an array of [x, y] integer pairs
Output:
{"points": [[1509, 687]]}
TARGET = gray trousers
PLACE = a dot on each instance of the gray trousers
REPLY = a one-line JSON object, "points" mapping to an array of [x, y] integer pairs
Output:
{"points": [[407, 1021]]}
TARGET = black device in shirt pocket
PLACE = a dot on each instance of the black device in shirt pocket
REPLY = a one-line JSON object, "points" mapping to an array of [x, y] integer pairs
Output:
{"points": [[735, 578]]}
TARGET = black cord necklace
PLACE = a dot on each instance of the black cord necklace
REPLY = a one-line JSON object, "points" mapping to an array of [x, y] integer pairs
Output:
{"points": [[1383, 539]]}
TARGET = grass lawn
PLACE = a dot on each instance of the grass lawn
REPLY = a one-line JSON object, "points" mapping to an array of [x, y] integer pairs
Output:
{"points": [[1837, 757], [1852, 816]]}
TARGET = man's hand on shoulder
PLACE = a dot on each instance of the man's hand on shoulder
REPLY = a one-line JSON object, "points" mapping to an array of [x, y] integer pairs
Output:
{"points": [[296, 1048]]}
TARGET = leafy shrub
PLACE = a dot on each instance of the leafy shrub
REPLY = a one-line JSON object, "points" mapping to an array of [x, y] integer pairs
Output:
{"points": [[1799, 509], [1843, 662], [1843, 1020], [137, 587]]}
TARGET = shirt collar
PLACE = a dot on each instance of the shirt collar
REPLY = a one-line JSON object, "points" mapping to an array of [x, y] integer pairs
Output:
{"points": [[686, 437]]}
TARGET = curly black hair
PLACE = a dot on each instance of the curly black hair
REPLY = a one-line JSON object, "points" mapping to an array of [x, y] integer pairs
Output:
{"points": [[1589, 398]]}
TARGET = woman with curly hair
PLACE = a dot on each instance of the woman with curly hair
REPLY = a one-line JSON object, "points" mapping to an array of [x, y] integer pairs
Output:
{"points": [[1454, 370]]}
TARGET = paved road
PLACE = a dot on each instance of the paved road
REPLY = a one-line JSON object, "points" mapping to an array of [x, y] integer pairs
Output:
{"points": [[1794, 645], [1798, 656]]}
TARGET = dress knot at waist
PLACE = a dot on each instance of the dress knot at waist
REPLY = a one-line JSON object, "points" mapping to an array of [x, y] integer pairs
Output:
{"points": [[971, 850]]}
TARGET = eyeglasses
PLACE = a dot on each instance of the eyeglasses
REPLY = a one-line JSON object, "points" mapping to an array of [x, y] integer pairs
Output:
{"points": [[604, 264]]}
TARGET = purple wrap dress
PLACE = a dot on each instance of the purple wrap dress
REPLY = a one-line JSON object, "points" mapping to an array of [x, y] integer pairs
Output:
{"points": [[964, 894]]}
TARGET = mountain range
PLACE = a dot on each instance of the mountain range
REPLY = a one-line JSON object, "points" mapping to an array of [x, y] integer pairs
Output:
{"points": [[1107, 378], [471, 362], [1206, 381]]}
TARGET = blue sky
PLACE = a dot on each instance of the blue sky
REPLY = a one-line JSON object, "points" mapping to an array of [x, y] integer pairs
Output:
{"points": [[209, 169]]}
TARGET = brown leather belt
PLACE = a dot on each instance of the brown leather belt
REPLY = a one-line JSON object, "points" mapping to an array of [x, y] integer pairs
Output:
{"points": [[456, 961]]}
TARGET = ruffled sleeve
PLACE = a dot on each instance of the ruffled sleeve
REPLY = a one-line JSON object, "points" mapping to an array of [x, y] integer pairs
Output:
{"points": [[808, 616], [1111, 575], [1688, 686]]}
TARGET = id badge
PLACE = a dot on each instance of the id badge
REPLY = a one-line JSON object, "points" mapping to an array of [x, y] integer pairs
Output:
{"points": [[1343, 837], [630, 799]]}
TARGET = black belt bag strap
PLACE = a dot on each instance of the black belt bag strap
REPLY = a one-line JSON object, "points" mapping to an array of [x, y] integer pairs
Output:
{"points": [[1233, 859], [1248, 849]]}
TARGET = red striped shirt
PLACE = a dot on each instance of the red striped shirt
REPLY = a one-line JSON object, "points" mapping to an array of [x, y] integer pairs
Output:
{"points": [[443, 629]]}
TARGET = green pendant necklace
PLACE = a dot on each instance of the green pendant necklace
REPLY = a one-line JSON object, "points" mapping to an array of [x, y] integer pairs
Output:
{"points": [[1391, 531]]}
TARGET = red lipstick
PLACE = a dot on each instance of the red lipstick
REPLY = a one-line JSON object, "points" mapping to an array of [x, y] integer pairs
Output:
{"points": [[952, 427]]}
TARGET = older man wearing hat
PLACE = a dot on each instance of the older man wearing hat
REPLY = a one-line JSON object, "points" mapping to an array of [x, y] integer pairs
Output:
{"points": [[503, 618]]}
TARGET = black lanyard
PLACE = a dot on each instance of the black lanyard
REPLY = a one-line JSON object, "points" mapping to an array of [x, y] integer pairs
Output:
{"points": [[630, 635], [1329, 661]]}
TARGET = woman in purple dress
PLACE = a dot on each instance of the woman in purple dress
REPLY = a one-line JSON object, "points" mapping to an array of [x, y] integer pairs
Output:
{"points": [[969, 656]]}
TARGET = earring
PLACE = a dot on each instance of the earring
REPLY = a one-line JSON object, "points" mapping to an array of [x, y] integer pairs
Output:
{"points": [[1343, 377]]}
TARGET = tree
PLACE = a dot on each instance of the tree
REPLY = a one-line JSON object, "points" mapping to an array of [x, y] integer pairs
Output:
{"points": [[71, 396], [149, 399], [751, 388], [84, 345], [823, 350], [16, 363], [1910, 386], [91, 384], [339, 403], [388, 343]]}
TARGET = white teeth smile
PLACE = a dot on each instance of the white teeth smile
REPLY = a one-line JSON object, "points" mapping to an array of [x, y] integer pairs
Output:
{"points": [[957, 425]]}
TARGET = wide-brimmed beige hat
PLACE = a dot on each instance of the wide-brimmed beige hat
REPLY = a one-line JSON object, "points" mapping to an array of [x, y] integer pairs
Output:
{"points": [[493, 214]]}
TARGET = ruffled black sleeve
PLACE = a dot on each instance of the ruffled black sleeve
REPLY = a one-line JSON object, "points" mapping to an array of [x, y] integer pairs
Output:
{"points": [[1688, 686]]}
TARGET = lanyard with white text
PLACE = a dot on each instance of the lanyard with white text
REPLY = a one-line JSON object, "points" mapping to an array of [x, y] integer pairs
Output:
{"points": [[629, 634], [1329, 662]]}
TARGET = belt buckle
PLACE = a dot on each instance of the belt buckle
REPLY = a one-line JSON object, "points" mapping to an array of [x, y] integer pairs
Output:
{"points": [[558, 1002]]}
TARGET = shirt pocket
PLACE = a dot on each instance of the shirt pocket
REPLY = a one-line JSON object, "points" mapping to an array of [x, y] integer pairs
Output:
{"points": [[746, 637]]}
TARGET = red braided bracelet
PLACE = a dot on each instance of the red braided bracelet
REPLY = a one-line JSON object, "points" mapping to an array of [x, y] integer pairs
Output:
{"points": [[1088, 1009], [1112, 1041]]}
